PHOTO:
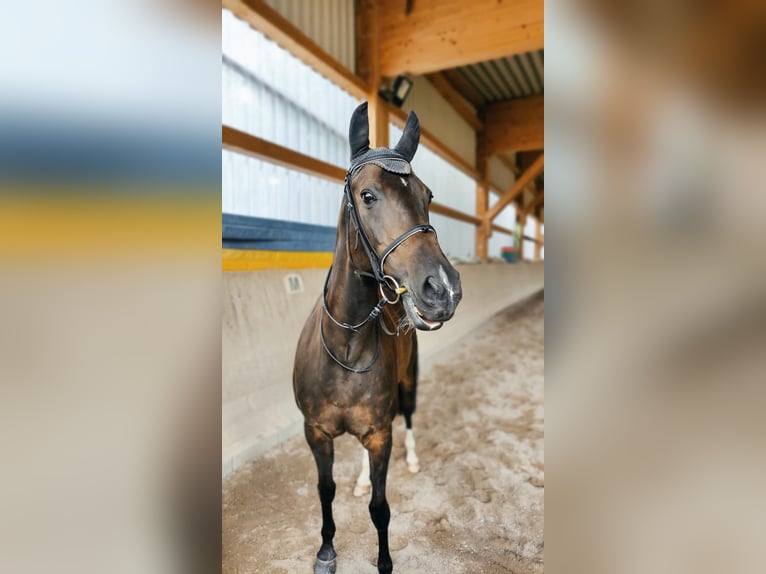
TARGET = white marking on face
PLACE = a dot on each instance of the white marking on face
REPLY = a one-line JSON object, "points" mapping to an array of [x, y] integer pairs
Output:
{"points": [[404, 181], [445, 280]]}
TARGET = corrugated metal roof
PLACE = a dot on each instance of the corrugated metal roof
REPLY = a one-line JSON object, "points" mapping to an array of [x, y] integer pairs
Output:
{"points": [[506, 78]]}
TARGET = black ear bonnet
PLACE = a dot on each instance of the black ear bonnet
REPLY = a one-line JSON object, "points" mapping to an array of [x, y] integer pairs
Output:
{"points": [[396, 160]]}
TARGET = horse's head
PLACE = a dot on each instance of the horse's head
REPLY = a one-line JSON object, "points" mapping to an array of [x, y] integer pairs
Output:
{"points": [[391, 206]]}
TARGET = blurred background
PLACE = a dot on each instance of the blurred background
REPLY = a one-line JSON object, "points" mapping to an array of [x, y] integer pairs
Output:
{"points": [[109, 286], [655, 142], [111, 254]]}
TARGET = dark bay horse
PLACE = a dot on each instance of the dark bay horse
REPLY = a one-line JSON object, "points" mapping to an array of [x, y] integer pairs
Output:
{"points": [[356, 362]]}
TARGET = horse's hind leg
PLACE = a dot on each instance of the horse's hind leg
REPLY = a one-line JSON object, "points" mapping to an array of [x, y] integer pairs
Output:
{"points": [[322, 448], [363, 484], [379, 446]]}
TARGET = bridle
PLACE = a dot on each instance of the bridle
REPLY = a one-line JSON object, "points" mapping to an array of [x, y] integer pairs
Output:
{"points": [[386, 283]]}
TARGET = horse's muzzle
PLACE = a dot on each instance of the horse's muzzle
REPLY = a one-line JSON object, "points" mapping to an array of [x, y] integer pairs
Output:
{"points": [[435, 299]]}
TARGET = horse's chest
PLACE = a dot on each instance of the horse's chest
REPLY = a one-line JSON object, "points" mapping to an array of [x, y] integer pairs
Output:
{"points": [[353, 403], [359, 390]]}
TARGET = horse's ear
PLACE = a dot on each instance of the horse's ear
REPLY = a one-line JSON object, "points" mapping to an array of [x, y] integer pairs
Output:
{"points": [[359, 131], [408, 143]]}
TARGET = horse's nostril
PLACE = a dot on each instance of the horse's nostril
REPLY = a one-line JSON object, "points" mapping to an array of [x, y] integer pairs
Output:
{"points": [[433, 288]]}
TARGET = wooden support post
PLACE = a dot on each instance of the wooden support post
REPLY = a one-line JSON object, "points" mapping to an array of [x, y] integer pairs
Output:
{"points": [[378, 114], [538, 238], [368, 63], [521, 219], [484, 229]]}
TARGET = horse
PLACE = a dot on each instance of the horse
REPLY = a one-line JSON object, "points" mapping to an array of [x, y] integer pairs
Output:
{"points": [[356, 363]]}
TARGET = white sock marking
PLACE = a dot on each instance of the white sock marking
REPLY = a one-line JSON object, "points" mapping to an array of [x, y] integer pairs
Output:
{"points": [[363, 483], [413, 464]]}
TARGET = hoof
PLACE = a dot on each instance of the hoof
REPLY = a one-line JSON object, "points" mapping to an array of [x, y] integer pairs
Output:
{"points": [[362, 489], [413, 467], [323, 567]]}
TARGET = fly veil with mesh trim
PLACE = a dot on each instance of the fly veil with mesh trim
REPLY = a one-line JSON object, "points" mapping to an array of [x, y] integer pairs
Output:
{"points": [[396, 160]]}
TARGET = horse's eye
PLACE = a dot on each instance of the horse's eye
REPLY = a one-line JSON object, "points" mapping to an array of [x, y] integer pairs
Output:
{"points": [[430, 197], [368, 198]]}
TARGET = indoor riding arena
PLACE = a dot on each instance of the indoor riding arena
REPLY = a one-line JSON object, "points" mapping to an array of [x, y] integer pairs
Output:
{"points": [[383, 245]]}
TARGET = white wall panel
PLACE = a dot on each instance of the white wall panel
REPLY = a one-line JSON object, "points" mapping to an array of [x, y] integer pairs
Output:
{"points": [[529, 231], [269, 93], [506, 218], [329, 23], [499, 174], [258, 188], [441, 119]]}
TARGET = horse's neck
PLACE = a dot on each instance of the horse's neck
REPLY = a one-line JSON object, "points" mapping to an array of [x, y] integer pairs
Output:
{"points": [[350, 298]]}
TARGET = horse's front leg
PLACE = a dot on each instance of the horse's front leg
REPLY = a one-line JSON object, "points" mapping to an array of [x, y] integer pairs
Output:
{"points": [[323, 450], [379, 446]]}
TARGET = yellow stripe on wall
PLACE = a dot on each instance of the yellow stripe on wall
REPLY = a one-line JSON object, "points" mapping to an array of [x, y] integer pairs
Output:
{"points": [[251, 260]]}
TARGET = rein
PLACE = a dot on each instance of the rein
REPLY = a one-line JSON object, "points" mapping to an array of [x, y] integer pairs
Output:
{"points": [[385, 282]]}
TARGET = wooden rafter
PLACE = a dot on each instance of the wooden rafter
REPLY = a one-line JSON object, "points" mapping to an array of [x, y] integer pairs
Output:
{"points": [[273, 25], [515, 125], [464, 109], [517, 188], [439, 34]]}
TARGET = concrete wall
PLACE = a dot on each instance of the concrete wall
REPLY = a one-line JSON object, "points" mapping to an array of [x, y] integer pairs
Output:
{"points": [[260, 327]]}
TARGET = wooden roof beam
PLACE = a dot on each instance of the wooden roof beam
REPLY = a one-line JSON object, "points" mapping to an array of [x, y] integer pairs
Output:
{"points": [[439, 34], [517, 125]]}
